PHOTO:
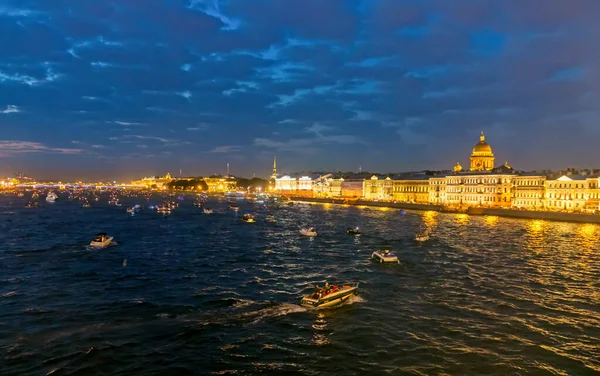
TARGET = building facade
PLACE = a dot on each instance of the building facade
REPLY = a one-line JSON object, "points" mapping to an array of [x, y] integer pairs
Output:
{"points": [[378, 189], [414, 191], [529, 192]]}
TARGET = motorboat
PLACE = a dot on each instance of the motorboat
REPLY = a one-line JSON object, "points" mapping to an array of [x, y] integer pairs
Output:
{"points": [[422, 237], [207, 211], [329, 296], [353, 230], [101, 240], [248, 218], [32, 204], [384, 256], [35, 196], [308, 231], [164, 208], [134, 209], [86, 205], [51, 197]]}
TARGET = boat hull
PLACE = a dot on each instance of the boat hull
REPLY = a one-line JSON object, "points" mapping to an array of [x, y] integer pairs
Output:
{"points": [[103, 244], [329, 301], [384, 259]]}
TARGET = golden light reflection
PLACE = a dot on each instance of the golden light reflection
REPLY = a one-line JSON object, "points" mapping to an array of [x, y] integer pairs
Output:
{"points": [[536, 231], [429, 219], [587, 237], [362, 207], [490, 220], [327, 206], [462, 219], [384, 209]]}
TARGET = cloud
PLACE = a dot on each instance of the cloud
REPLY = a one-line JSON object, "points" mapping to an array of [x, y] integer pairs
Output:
{"points": [[199, 127], [127, 123], [225, 149], [419, 79], [8, 147], [10, 109]]}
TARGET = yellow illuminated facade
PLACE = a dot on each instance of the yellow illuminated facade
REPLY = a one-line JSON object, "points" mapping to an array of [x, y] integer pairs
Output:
{"points": [[482, 158], [153, 182], [411, 191], [493, 191], [220, 184], [572, 193], [529, 192], [378, 189]]}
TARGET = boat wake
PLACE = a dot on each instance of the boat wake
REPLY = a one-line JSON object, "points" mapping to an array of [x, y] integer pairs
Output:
{"points": [[246, 312]]}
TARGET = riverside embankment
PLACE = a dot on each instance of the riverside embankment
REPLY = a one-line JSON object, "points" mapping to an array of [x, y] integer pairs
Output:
{"points": [[522, 214]]}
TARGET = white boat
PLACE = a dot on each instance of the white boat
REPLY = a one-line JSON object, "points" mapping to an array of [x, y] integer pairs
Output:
{"points": [[51, 197], [101, 240], [422, 237], [329, 296], [207, 211], [308, 231], [384, 256]]}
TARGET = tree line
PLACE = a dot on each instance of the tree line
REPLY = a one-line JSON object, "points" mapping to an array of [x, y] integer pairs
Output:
{"points": [[200, 185]]}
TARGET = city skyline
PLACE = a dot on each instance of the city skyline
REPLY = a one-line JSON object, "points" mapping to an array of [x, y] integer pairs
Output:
{"points": [[114, 91]]}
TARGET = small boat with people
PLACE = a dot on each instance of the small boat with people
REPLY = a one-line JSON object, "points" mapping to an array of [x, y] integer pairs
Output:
{"points": [[308, 231], [207, 211], [101, 240], [248, 218], [330, 295], [422, 237], [353, 230], [86, 204], [384, 256], [35, 196], [32, 204], [51, 197]]}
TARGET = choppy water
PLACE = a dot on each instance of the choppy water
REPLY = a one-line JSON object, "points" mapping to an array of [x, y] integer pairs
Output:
{"points": [[194, 294]]}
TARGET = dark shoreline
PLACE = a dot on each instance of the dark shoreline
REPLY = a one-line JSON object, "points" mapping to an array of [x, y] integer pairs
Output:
{"points": [[509, 213]]}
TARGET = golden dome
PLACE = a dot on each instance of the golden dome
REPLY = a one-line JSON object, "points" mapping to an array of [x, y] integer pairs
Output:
{"points": [[482, 146]]}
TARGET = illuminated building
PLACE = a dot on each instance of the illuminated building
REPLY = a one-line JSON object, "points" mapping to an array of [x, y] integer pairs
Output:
{"points": [[153, 182], [220, 184], [378, 189], [415, 190], [572, 193], [529, 191], [482, 158], [437, 190]]}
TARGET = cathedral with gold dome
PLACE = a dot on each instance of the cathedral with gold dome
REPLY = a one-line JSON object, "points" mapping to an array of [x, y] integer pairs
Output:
{"points": [[482, 157]]}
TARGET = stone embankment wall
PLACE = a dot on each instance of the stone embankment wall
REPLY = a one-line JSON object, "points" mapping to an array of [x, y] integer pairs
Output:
{"points": [[543, 215], [370, 203], [523, 214]]}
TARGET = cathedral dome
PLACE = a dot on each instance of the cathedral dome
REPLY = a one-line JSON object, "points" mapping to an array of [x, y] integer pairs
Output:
{"points": [[482, 147]]}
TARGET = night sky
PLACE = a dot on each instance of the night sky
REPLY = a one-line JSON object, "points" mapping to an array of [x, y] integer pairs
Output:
{"points": [[127, 88]]}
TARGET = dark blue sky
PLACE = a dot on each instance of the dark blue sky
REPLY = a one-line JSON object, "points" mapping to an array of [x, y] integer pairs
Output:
{"points": [[120, 89]]}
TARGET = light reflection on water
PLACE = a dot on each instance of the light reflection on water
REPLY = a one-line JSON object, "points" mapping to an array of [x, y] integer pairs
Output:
{"points": [[485, 295]]}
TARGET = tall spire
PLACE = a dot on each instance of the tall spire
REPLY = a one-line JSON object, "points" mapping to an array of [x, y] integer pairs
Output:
{"points": [[274, 174]]}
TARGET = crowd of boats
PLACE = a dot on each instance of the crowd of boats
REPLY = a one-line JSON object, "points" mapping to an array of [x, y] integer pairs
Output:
{"points": [[326, 296]]}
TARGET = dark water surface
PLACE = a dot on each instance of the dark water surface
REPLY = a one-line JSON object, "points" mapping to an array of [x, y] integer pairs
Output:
{"points": [[208, 294]]}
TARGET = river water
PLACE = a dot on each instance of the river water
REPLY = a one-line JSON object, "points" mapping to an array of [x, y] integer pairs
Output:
{"points": [[196, 294]]}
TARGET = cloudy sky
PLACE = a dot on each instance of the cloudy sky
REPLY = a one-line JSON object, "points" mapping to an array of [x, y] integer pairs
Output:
{"points": [[123, 88]]}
